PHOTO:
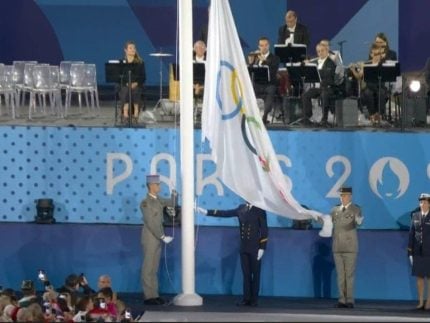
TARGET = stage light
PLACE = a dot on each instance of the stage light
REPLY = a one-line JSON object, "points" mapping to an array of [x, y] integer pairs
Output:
{"points": [[415, 86], [45, 211]]}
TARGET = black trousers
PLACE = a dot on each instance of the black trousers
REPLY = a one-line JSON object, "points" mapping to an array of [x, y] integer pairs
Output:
{"points": [[251, 276], [370, 97], [324, 93], [136, 96], [268, 93]]}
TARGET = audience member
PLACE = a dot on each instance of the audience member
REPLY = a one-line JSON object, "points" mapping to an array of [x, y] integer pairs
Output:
{"points": [[29, 294], [83, 307], [72, 285], [105, 281]]}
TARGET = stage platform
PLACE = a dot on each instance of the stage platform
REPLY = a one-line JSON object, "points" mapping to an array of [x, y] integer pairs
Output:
{"points": [[276, 309], [105, 117]]}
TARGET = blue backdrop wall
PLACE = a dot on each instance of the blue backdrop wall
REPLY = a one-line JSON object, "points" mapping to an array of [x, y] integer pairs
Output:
{"points": [[97, 175], [296, 263], [95, 31]]}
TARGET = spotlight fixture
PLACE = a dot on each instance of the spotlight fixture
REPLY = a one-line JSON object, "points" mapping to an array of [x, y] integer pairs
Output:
{"points": [[415, 86]]}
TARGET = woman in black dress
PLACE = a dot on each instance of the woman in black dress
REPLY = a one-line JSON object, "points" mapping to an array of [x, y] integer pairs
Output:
{"points": [[136, 66]]}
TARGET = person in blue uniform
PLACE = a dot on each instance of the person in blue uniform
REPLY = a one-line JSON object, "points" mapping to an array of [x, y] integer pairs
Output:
{"points": [[253, 240], [419, 248]]}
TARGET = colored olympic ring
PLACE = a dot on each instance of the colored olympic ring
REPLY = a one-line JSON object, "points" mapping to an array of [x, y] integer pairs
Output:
{"points": [[237, 97]]}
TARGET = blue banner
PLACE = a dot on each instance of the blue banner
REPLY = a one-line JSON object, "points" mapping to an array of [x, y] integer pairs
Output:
{"points": [[97, 175]]}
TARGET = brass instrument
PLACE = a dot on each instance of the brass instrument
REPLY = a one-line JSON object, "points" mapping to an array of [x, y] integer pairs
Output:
{"points": [[254, 53]]}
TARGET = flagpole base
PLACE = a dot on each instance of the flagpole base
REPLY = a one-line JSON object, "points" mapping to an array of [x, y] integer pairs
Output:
{"points": [[188, 300]]}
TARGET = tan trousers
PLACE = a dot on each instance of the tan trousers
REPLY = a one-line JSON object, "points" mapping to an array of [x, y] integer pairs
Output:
{"points": [[151, 262], [345, 268]]}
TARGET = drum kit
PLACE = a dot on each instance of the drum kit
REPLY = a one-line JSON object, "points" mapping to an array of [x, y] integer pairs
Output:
{"points": [[160, 55]]}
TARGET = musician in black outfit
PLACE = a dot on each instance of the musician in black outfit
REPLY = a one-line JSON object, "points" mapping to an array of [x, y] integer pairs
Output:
{"points": [[253, 240], [138, 77], [293, 32], [381, 40], [326, 70], [263, 57]]}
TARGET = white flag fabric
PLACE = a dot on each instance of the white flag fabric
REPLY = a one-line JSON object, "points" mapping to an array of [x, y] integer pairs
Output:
{"points": [[231, 122]]}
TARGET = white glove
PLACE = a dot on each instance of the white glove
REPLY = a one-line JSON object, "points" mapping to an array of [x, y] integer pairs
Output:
{"points": [[327, 227], [201, 210], [411, 259], [166, 239], [260, 254]]}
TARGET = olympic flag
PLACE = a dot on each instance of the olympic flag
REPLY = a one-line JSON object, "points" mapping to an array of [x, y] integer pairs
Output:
{"points": [[231, 122]]}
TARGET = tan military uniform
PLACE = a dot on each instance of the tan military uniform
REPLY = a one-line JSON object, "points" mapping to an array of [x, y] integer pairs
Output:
{"points": [[152, 232], [345, 248]]}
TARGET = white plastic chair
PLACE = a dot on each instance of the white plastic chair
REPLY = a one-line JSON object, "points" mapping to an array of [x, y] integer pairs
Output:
{"points": [[83, 80], [7, 87], [46, 86], [18, 76], [65, 73]]}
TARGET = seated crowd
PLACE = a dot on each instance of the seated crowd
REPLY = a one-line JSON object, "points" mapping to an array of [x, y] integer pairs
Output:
{"points": [[75, 301]]}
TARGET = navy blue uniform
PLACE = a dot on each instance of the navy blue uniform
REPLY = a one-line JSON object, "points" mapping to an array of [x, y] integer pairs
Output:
{"points": [[419, 244], [253, 236]]}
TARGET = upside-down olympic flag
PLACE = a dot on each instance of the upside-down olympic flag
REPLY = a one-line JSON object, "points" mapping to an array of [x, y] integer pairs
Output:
{"points": [[231, 122]]}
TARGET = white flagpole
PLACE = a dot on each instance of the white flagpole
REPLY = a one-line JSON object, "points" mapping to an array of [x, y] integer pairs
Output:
{"points": [[188, 297]]}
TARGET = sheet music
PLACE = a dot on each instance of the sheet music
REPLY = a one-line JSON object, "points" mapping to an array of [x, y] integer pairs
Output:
{"points": [[291, 45], [293, 64]]}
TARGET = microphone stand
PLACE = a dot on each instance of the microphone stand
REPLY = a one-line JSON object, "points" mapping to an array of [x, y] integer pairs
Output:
{"points": [[340, 43], [130, 108]]}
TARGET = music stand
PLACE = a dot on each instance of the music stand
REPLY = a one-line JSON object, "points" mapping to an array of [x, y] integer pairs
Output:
{"points": [[199, 71], [259, 74], [116, 71], [160, 55], [381, 73], [303, 73], [291, 53]]}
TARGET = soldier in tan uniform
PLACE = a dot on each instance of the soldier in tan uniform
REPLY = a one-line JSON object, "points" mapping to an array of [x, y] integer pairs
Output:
{"points": [[152, 236], [346, 217]]}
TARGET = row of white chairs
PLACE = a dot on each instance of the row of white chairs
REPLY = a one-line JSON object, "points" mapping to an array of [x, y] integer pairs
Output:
{"points": [[45, 82]]}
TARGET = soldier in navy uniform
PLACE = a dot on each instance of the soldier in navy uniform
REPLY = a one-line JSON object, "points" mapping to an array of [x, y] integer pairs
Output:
{"points": [[419, 248], [346, 218], [253, 239]]}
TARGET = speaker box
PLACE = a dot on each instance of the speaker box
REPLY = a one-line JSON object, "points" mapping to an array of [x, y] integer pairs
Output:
{"points": [[415, 111], [346, 111]]}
